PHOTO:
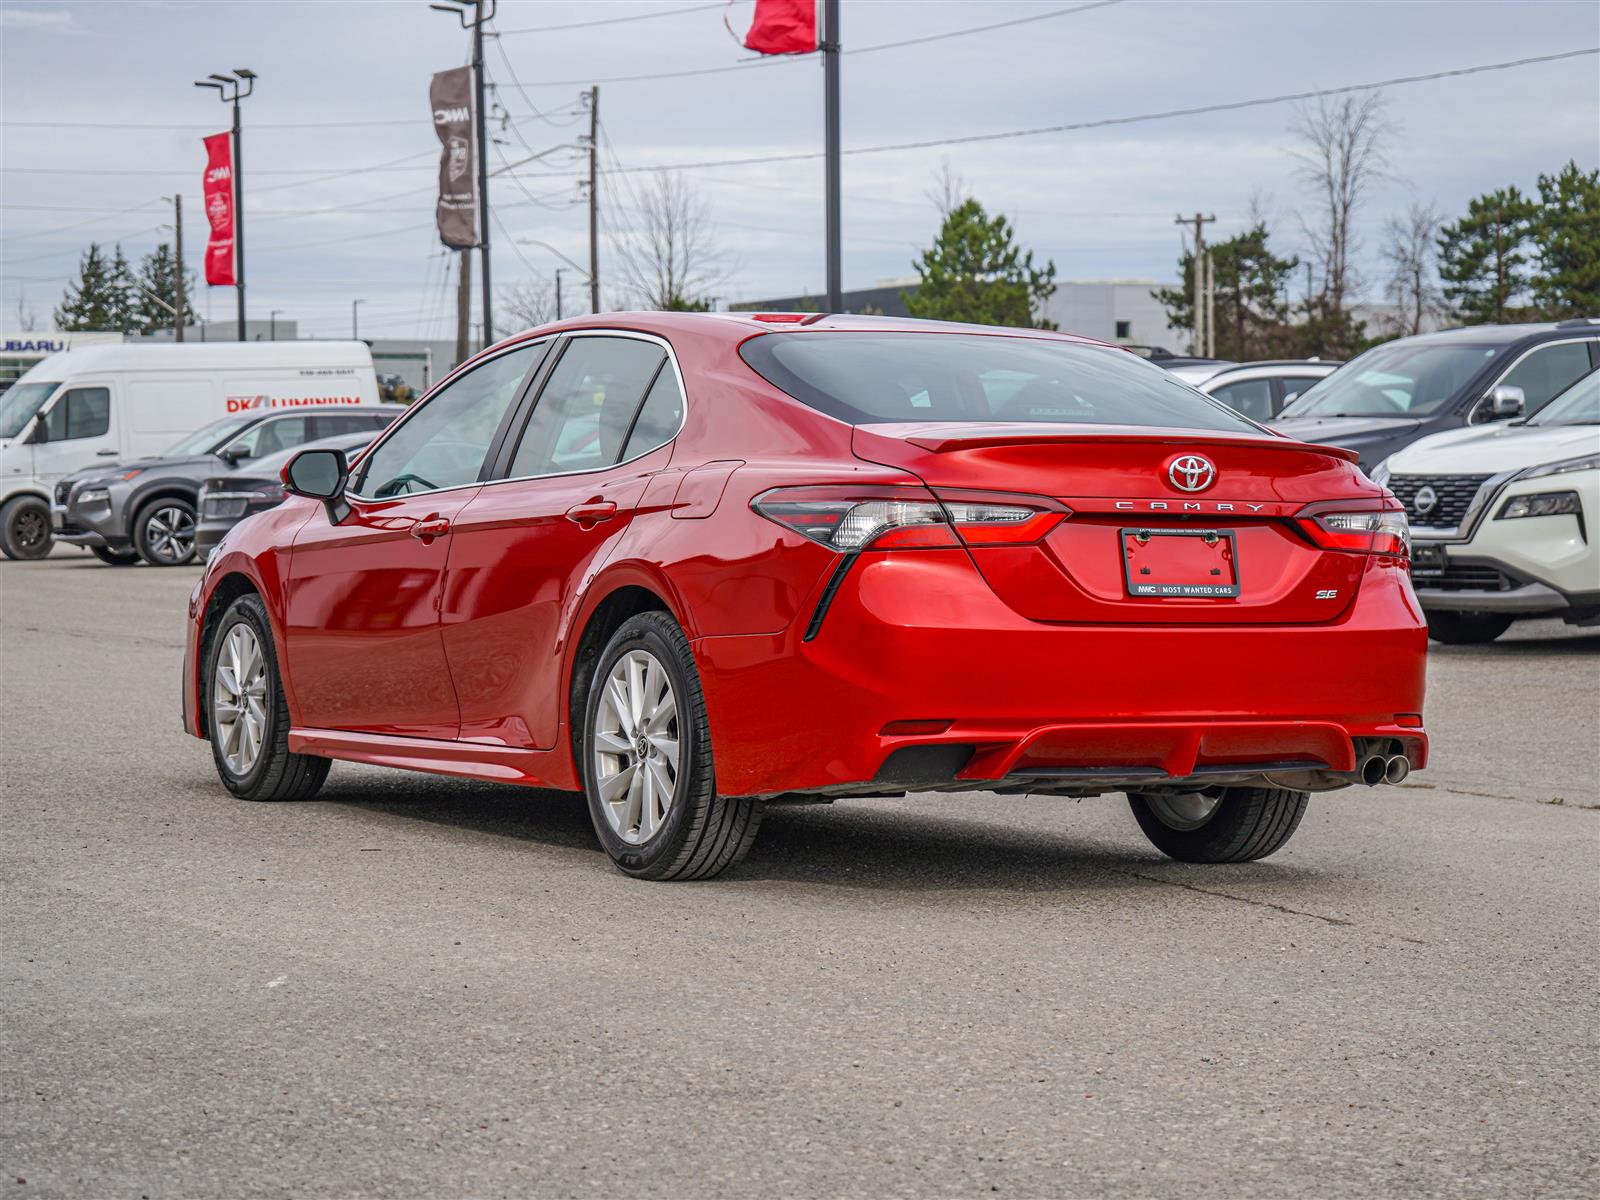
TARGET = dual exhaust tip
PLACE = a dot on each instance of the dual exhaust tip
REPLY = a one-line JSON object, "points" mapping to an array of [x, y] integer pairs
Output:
{"points": [[1380, 768]]}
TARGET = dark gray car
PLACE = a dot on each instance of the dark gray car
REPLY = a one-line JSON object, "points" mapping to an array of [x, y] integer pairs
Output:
{"points": [[1406, 389], [146, 508]]}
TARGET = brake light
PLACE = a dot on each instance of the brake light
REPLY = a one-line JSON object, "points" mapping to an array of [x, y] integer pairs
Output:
{"points": [[890, 518], [1376, 530]]}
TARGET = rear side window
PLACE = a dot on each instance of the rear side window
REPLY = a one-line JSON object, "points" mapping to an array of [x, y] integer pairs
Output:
{"points": [[587, 407], [1252, 397], [660, 416], [80, 413], [865, 378]]}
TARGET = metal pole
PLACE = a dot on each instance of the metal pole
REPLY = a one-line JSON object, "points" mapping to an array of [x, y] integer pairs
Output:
{"points": [[238, 210], [464, 308], [594, 199], [177, 238], [483, 170], [355, 334], [558, 291], [830, 67]]}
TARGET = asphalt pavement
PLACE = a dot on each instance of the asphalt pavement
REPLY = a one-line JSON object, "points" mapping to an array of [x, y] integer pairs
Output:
{"points": [[414, 986]]}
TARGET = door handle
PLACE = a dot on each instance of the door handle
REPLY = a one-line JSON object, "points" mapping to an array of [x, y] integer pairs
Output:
{"points": [[591, 512], [430, 527], [105, 453]]}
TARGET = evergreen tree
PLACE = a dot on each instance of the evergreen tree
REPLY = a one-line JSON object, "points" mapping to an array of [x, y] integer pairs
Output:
{"points": [[975, 272], [1251, 308], [99, 299], [1566, 232], [158, 273], [1483, 257]]}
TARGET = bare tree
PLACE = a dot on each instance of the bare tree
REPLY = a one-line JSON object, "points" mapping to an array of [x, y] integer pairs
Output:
{"points": [[1344, 151], [1409, 248], [669, 257], [949, 189], [529, 303], [27, 315]]}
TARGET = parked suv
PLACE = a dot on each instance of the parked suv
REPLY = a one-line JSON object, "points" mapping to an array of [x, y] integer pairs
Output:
{"points": [[1404, 390], [1504, 519], [146, 508], [1261, 390]]}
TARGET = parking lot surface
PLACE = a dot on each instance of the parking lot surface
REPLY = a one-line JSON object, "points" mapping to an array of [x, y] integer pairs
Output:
{"points": [[417, 986]]}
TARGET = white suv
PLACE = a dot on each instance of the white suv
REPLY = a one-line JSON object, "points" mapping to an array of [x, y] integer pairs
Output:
{"points": [[1505, 518]]}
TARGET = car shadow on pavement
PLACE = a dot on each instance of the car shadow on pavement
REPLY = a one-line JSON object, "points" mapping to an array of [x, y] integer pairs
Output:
{"points": [[858, 844]]}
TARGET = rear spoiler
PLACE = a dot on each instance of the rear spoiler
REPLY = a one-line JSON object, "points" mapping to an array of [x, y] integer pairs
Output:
{"points": [[944, 440]]}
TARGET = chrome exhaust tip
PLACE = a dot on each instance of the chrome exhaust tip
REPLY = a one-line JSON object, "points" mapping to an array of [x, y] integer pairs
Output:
{"points": [[1373, 770], [1396, 769]]}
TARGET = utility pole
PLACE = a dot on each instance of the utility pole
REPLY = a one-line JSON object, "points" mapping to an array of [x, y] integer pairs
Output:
{"points": [[230, 90], [830, 69], [272, 324], [483, 11], [177, 241], [559, 271], [1201, 284], [464, 308], [355, 334], [594, 199]]}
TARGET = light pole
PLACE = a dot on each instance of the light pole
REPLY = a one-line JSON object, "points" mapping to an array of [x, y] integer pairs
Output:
{"points": [[272, 325], [355, 334], [559, 272], [230, 90], [483, 13]]}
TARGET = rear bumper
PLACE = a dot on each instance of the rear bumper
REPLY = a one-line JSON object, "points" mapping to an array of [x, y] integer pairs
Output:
{"points": [[920, 637]]}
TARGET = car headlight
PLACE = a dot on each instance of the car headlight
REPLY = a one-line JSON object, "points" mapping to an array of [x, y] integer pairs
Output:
{"points": [[1540, 504], [1589, 462], [1380, 474], [96, 495]]}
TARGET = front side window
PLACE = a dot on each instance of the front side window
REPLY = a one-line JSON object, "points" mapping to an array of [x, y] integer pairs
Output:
{"points": [[1578, 405], [1252, 397], [1548, 372], [864, 378], [587, 406], [269, 437], [443, 443], [80, 413], [1398, 379], [208, 437]]}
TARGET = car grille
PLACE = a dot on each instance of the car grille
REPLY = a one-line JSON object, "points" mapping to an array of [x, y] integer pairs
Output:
{"points": [[1453, 495], [63, 490], [1461, 577]]}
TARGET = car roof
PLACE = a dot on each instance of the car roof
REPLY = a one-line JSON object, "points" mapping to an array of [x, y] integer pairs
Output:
{"points": [[1501, 335], [200, 356]]}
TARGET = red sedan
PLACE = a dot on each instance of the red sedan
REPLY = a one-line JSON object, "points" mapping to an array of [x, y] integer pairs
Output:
{"points": [[692, 564]]}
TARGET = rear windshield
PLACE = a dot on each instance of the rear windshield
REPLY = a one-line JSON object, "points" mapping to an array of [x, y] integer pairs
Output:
{"points": [[864, 378]]}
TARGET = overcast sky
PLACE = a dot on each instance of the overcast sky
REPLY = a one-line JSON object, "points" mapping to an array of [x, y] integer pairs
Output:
{"points": [[1099, 202]]}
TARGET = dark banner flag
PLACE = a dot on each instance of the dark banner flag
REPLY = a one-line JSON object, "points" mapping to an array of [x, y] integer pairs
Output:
{"points": [[457, 210], [216, 189]]}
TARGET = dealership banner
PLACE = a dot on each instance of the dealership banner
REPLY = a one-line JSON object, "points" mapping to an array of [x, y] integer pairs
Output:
{"points": [[781, 27], [218, 196], [457, 209]]}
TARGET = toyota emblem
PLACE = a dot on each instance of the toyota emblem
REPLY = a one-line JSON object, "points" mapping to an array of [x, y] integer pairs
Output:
{"points": [[1191, 473], [1425, 500]]}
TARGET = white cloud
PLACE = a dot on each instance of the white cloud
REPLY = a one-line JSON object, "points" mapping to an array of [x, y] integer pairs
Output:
{"points": [[35, 21]]}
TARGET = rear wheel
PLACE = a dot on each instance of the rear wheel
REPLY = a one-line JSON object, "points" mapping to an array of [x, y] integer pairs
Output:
{"points": [[25, 527], [1219, 825], [163, 532], [115, 558], [647, 768], [247, 714], [1466, 628]]}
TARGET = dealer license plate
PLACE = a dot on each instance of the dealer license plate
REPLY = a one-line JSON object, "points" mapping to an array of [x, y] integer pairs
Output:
{"points": [[1180, 562]]}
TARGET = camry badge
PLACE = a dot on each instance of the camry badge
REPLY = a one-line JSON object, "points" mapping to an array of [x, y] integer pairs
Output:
{"points": [[1425, 500], [1191, 473]]}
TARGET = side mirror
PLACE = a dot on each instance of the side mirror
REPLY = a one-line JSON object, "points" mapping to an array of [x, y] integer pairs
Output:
{"points": [[320, 475], [231, 457], [1506, 401], [40, 434]]}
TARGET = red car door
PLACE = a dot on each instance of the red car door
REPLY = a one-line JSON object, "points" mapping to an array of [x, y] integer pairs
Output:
{"points": [[364, 649], [524, 548]]}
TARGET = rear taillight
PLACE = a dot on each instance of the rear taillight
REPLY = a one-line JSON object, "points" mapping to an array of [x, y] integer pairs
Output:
{"points": [[1360, 530], [901, 518]]}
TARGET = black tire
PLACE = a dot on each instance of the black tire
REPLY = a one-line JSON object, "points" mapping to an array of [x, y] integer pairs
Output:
{"points": [[276, 774], [1248, 823], [1466, 628], [115, 558], [25, 528], [151, 528], [702, 834]]}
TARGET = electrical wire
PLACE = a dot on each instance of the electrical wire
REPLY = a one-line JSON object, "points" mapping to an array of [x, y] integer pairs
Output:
{"points": [[646, 16], [33, 233]]}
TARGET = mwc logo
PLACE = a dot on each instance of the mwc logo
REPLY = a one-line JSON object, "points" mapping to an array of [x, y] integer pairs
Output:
{"points": [[449, 116], [218, 174]]}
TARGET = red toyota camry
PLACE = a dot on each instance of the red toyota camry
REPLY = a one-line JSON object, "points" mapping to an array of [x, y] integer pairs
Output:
{"points": [[693, 564]]}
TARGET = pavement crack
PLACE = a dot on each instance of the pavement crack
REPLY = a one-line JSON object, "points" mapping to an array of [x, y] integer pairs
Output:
{"points": [[1283, 908]]}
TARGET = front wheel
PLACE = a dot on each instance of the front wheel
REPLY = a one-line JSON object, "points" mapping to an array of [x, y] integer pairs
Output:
{"points": [[1466, 628], [647, 769], [1219, 825], [25, 528], [163, 532]]}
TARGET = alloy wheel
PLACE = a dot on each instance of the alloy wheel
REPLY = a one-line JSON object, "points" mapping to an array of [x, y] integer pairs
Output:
{"points": [[169, 532], [239, 698], [636, 746], [1184, 810], [31, 529]]}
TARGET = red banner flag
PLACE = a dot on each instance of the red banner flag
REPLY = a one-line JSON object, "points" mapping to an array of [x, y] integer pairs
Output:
{"points": [[217, 195], [783, 27]]}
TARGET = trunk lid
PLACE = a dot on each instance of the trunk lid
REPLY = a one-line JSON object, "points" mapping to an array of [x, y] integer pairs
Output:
{"points": [[1117, 482]]}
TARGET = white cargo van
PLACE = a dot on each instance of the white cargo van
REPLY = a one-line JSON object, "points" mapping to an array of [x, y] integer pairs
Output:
{"points": [[102, 403]]}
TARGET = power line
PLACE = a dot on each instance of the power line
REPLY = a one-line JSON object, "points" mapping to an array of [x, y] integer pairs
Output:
{"points": [[939, 37], [647, 16], [33, 233], [1167, 114]]}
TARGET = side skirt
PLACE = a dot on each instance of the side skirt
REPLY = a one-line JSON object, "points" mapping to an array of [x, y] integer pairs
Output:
{"points": [[473, 760]]}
